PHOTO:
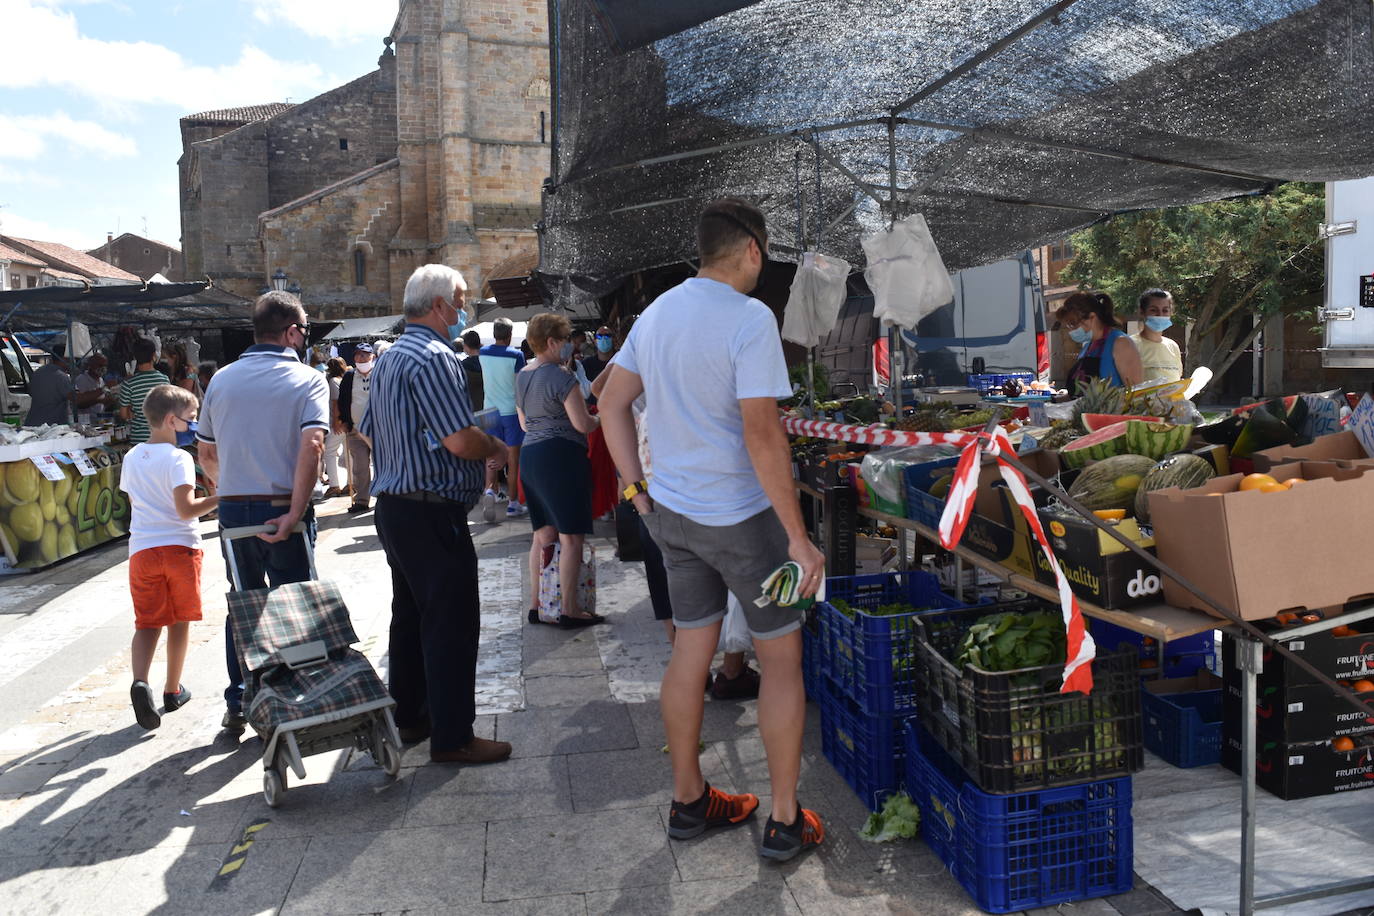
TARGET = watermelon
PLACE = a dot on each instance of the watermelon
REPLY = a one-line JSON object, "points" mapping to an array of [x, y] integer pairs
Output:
{"points": [[1095, 421], [1155, 440], [1182, 471], [1104, 443], [1112, 482]]}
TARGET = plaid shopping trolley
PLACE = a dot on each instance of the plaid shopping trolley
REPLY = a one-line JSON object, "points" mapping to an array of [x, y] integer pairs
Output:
{"points": [[306, 690]]}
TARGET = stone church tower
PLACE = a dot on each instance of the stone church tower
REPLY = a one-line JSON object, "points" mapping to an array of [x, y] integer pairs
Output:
{"points": [[438, 156], [472, 117]]}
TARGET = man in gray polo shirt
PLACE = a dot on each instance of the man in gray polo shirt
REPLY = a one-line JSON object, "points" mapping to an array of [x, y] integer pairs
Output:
{"points": [[262, 429]]}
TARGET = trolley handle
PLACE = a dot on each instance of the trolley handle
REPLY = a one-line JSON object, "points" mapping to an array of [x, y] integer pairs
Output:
{"points": [[229, 535]]}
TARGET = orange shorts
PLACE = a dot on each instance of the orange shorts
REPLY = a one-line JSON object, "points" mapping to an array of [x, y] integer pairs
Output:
{"points": [[165, 585]]}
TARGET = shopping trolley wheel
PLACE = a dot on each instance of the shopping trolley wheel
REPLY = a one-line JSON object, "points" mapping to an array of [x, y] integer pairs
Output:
{"points": [[273, 785], [386, 753]]}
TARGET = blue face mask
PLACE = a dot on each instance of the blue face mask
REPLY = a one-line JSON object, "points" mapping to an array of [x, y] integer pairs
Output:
{"points": [[188, 437], [456, 329], [603, 344], [1080, 335], [1158, 323], [565, 351]]}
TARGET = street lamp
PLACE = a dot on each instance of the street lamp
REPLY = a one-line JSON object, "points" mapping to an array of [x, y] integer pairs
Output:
{"points": [[294, 289], [279, 280]]}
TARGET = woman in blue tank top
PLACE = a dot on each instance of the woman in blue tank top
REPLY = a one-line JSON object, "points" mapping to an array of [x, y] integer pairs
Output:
{"points": [[1108, 351]]}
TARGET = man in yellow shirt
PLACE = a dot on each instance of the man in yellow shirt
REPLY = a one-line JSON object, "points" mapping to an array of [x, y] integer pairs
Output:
{"points": [[1159, 356]]}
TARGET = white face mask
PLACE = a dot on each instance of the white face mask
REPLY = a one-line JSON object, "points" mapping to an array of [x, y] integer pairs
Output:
{"points": [[366, 367]]}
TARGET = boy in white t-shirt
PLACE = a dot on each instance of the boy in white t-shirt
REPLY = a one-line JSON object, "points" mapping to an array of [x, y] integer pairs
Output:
{"points": [[164, 545]]}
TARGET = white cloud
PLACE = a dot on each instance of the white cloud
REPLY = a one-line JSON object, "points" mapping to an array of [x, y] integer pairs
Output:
{"points": [[26, 178], [338, 21], [130, 73], [26, 137], [14, 224]]}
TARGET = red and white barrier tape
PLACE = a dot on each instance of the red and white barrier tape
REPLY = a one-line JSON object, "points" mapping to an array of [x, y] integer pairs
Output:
{"points": [[959, 506]]}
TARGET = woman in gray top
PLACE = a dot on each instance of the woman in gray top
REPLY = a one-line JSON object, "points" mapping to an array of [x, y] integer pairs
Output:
{"points": [[554, 468]]}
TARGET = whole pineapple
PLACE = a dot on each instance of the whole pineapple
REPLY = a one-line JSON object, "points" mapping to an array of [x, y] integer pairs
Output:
{"points": [[1098, 396]]}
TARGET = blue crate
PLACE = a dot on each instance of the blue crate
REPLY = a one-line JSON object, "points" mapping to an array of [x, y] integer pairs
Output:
{"points": [[1183, 728], [1030, 849], [866, 750], [917, 480], [870, 658], [1176, 658], [992, 382]]}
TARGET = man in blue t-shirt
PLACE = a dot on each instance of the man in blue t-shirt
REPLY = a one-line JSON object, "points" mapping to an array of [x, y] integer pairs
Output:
{"points": [[722, 508], [500, 362]]}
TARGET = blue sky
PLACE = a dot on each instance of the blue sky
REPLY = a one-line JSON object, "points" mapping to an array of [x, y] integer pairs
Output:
{"points": [[92, 90]]}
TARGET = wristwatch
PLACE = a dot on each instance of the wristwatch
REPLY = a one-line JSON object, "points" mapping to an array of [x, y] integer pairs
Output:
{"points": [[634, 490]]}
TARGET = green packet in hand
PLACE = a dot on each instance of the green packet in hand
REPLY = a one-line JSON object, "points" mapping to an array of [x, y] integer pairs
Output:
{"points": [[783, 586]]}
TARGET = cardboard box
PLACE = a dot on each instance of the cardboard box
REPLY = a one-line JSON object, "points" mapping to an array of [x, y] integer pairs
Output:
{"points": [[1296, 713], [1344, 448], [1341, 658], [1262, 553], [1298, 770], [1099, 568], [872, 555]]}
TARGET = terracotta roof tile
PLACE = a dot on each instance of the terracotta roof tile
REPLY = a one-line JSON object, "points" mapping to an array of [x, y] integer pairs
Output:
{"points": [[71, 258], [245, 115], [13, 254]]}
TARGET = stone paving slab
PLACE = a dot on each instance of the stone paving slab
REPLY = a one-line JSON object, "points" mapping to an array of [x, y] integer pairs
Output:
{"points": [[597, 726], [630, 778], [524, 787]]}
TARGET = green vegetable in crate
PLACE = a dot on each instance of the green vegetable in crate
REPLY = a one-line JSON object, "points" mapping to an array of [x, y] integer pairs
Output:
{"points": [[899, 818], [1111, 483], [1182, 471], [1009, 641]]}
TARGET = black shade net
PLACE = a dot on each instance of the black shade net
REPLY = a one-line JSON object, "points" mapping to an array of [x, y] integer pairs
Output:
{"points": [[1008, 123]]}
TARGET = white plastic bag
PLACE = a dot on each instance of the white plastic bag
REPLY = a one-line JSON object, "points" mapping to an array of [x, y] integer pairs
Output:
{"points": [[551, 589], [906, 273], [734, 631], [818, 292], [882, 469]]}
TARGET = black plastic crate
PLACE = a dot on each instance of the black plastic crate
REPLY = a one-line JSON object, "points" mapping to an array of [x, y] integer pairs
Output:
{"points": [[1014, 731]]}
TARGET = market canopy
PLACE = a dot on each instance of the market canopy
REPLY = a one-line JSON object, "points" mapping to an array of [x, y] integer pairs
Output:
{"points": [[163, 304], [1007, 123], [388, 326]]}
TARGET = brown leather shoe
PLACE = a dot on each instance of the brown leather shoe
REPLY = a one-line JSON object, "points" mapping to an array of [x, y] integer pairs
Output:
{"points": [[478, 750]]}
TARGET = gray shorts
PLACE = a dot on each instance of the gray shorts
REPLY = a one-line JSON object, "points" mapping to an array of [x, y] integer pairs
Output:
{"points": [[704, 562]]}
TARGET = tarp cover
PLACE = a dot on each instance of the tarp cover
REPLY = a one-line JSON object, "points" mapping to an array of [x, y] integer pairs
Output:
{"points": [[195, 303], [1016, 121]]}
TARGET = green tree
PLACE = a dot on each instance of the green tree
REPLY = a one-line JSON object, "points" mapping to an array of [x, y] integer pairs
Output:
{"points": [[1225, 262]]}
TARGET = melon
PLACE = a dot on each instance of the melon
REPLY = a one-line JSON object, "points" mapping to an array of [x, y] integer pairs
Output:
{"points": [[1182, 471], [1155, 440], [1112, 482], [1104, 443], [1095, 421]]}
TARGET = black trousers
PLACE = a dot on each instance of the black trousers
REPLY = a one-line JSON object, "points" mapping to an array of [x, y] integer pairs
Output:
{"points": [[435, 621]]}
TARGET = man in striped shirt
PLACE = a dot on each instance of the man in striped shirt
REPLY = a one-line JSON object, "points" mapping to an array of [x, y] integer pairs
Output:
{"points": [[427, 454], [135, 388]]}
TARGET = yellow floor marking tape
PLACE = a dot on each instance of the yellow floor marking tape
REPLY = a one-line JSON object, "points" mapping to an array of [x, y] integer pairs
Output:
{"points": [[239, 854]]}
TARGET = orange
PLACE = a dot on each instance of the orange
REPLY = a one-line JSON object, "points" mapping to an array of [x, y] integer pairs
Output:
{"points": [[1342, 744], [1291, 482], [1269, 488], [1311, 618], [1344, 631], [1256, 481], [1286, 618], [1110, 515], [1363, 685]]}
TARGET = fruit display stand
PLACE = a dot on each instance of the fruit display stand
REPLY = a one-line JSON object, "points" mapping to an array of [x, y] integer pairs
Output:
{"points": [[59, 497], [1164, 623]]}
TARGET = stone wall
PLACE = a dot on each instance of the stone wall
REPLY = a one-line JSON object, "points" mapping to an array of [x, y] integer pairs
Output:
{"points": [[141, 256], [318, 239]]}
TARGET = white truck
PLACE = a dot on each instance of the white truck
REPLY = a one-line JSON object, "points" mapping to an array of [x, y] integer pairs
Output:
{"points": [[1348, 310]]}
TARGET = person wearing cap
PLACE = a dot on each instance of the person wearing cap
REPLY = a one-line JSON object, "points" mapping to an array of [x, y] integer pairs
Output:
{"points": [[353, 400]]}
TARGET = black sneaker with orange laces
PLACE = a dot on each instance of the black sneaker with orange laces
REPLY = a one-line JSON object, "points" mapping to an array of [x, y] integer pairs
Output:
{"points": [[783, 841], [714, 809]]}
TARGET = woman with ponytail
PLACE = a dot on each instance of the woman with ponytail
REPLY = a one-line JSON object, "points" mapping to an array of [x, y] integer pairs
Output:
{"points": [[1108, 352]]}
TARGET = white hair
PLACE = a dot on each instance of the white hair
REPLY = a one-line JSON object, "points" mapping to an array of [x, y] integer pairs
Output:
{"points": [[425, 284]]}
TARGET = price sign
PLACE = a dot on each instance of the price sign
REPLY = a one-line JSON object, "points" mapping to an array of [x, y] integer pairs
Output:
{"points": [[82, 462], [48, 466]]}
